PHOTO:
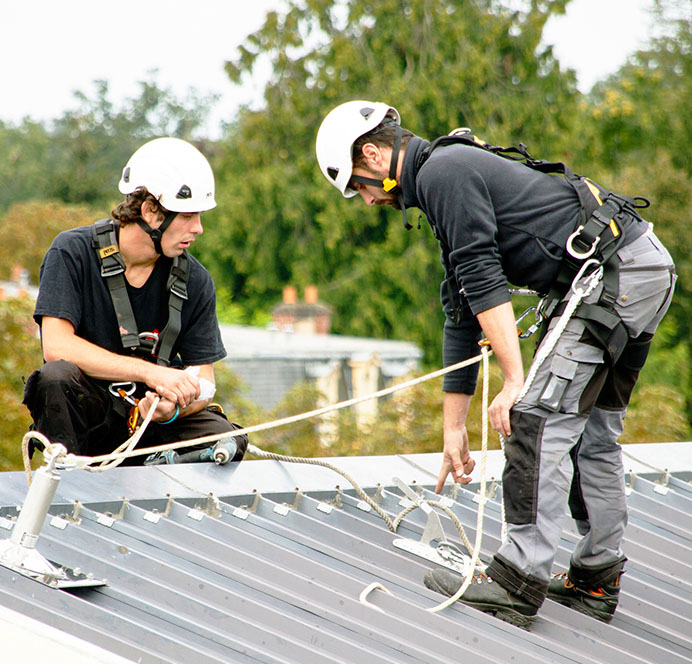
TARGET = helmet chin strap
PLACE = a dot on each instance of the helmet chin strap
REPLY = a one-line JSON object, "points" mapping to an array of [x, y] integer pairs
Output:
{"points": [[156, 233], [390, 184]]}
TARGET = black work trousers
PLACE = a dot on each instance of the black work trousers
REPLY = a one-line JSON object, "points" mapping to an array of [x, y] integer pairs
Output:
{"points": [[70, 408]]}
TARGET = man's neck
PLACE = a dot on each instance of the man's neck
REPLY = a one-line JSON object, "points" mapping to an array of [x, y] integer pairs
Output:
{"points": [[137, 249]]}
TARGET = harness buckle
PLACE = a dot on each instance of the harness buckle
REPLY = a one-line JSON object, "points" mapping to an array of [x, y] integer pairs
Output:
{"points": [[148, 342], [112, 269], [176, 289], [580, 255]]}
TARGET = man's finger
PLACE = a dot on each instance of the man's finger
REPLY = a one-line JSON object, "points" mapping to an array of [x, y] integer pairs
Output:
{"points": [[444, 471]]}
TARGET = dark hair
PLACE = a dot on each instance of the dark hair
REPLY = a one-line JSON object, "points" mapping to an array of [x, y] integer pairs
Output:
{"points": [[383, 135], [131, 208]]}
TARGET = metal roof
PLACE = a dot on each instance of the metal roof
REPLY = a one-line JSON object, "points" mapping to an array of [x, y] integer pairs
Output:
{"points": [[264, 561]]}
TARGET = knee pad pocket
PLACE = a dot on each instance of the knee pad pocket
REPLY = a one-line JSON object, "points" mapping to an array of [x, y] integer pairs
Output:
{"points": [[520, 476]]}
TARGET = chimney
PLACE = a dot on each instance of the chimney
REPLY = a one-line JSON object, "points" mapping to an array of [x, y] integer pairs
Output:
{"points": [[19, 275], [290, 295], [309, 317]]}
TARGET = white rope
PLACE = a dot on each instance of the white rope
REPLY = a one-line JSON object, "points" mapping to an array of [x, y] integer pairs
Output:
{"points": [[481, 503], [578, 294], [125, 449]]}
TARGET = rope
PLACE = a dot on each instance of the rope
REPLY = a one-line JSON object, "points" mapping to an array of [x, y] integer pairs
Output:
{"points": [[125, 450], [475, 552]]}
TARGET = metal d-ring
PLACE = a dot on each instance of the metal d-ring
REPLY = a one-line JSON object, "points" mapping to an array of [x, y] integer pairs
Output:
{"points": [[580, 255]]}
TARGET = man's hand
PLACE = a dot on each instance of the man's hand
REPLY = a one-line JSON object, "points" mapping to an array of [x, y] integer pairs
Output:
{"points": [[498, 412], [165, 409], [178, 387], [455, 458]]}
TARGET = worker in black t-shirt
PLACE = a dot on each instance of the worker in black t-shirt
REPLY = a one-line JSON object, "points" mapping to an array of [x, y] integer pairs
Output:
{"points": [[127, 315], [500, 221]]}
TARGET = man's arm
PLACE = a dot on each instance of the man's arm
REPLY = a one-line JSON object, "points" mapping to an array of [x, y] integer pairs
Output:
{"points": [[456, 458], [60, 342], [500, 328]]}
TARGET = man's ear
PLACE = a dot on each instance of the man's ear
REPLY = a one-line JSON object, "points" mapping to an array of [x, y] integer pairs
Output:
{"points": [[149, 214], [373, 156]]}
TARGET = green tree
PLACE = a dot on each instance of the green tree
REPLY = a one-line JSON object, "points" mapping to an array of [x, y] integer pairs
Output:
{"points": [[79, 157], [20, 354], [443, 64], [29, 229]]}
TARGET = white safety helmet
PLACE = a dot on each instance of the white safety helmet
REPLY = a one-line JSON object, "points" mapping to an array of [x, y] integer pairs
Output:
{"points": [[338, 132], [174, 171]]}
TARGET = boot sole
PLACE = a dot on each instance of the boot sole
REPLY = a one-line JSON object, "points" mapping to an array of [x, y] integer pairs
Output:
{"points": [[507, 615], [578, 606]]}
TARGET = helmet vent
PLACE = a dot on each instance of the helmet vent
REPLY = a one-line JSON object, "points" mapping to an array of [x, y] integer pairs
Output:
{"points": [[126, 174], [184, 192], [367, 111], [332, 172]]}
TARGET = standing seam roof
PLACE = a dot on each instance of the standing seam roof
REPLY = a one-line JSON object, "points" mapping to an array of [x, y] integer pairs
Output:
{"points": [[275, 575]]}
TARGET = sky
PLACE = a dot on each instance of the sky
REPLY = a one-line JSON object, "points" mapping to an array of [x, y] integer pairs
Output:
{"points": [[50, 49]]}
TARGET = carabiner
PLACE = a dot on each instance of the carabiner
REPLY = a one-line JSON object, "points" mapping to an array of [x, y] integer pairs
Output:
{"points": [[124, 390]]}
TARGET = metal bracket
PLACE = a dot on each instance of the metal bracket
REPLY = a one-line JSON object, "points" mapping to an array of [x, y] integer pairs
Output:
{"points": [[19, 553], [446, 553]]}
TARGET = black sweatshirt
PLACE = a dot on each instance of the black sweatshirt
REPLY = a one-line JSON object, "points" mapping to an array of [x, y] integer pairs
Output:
{"points": [[501, 221]]}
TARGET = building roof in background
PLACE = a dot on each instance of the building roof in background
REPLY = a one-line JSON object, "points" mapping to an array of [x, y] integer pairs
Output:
{"points": [[245, 342], [264, 561]]}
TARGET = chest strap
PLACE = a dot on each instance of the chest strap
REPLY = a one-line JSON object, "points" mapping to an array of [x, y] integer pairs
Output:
{"points": [[105, 243]]}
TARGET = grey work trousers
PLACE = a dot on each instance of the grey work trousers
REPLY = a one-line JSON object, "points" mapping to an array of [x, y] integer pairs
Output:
{"points": [[567, 428]]}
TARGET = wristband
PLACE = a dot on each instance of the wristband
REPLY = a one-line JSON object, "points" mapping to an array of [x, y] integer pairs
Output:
{"points": [[175, 415]]}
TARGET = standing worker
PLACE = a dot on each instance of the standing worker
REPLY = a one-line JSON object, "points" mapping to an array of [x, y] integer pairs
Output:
{"points": [[123, 308], [501, 221]]}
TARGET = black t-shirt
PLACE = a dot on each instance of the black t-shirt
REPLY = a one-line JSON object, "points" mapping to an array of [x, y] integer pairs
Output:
{"points": [[71, 287]]}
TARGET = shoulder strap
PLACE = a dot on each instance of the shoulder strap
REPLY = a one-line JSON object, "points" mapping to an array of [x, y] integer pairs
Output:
{"points": [[177, 285], [105, 244]]}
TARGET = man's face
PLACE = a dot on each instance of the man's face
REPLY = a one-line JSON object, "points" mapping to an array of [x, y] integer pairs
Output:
{"points": [[371, 194], [181, 233]]}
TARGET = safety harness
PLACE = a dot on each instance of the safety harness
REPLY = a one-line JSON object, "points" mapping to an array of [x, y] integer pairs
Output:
{"points": [[606, 222], [149, 345]]}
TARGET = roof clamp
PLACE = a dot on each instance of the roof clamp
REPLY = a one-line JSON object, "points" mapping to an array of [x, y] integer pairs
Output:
{"points": [[445, 553], [19, 553], [337, 501], [662, 486], [629, 487], [283, 509]]}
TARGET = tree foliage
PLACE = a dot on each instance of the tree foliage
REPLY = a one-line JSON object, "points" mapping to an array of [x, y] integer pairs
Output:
{"points": [[443, 64], [79, 158], [20, 354], [29, 229], [474, 63]]}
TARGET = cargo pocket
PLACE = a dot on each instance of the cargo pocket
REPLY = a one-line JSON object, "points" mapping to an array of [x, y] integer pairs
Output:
{"points": [[643, 298], [571, 369]]}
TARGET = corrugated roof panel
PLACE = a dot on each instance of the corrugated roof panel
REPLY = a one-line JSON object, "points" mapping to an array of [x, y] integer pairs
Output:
{"points": [[264, 572]]}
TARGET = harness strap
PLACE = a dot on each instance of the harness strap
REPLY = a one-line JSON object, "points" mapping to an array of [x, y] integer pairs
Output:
{"points": [[105, 242], [177, 285]]}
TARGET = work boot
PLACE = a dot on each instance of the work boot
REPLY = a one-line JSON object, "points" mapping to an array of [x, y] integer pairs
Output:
{"points": [[485, 595], [598, 602]]}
